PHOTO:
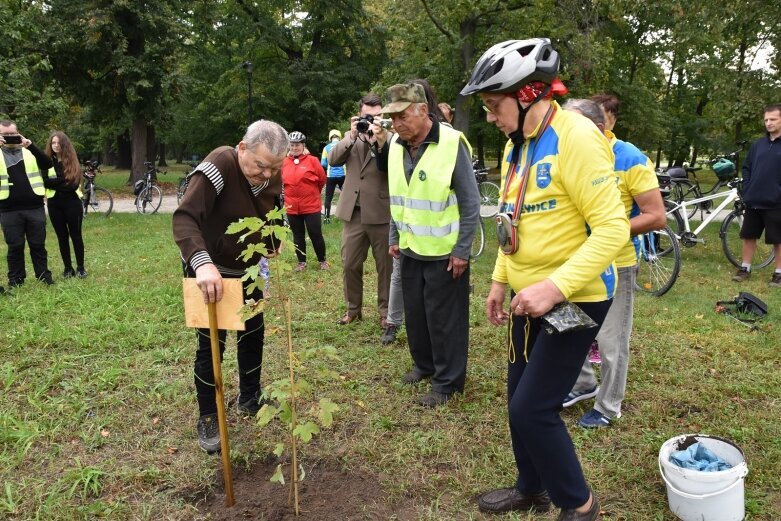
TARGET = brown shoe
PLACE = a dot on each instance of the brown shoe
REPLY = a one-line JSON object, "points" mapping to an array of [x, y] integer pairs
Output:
{"points": [[434, 399], [570, 514], [510, 499], [742, 275], [414, 377], [348, 319]]}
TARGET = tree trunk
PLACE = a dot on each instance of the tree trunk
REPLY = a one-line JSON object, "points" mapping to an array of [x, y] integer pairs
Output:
{"points": [[138, 149], [179, 152], [467, 31], [151, 150], [161, 153], [124, 156]]}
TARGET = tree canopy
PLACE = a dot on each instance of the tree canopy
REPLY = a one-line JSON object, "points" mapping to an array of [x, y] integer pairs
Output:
{"points": [[692, 76]]}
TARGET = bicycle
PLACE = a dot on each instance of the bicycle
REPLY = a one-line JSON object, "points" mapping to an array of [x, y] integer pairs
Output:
{"points": [[729, 232], [489, 192], [148, 194], [478, 241], [682, 188], [658, 261], [95, 198]]}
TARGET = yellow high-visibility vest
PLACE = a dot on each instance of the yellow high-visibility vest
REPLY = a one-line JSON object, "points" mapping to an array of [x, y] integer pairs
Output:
{"points": [[33, 175], [425, 211]]}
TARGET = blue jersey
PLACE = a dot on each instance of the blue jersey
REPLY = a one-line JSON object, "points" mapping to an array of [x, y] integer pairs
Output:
{"points": [[331, 171]]}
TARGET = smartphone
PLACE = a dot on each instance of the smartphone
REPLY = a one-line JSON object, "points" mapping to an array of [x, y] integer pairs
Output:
{"points": [[13, 140]]}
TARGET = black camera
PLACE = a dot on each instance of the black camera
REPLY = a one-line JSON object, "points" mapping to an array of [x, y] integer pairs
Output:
{"points": [[15, 139], [362, 126]]}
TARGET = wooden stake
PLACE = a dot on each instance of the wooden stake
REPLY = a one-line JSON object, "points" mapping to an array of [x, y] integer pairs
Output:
{"points": [[227, 474], [291, 361]]}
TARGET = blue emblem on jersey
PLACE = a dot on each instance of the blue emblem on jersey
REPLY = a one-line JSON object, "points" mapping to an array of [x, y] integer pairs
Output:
{"points": [[543, 175]]}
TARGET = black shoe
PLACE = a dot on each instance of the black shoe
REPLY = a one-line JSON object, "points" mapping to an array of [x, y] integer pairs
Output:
{"points": [[253, 405], [68, 273], [47, 279], [209, 433], [570, 514], [389, 335], [2, 290], [81, 272], [434, 399], [327, 220], [414, 377], [510, 500], [15, 283]]}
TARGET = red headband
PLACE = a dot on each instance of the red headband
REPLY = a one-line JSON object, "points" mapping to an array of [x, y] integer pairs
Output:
{"points": [[531, 91]]}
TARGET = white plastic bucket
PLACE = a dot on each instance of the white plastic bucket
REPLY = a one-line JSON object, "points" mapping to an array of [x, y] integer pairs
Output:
{"points": [[705, 496]]}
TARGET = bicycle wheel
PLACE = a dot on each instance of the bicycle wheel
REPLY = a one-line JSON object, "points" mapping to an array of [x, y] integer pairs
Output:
{"points": [[478, 241], [98, 200], [674, 219], [180, 190], [733, 245], [148, 201], [685, 190], [489, 199], [658, 263]]}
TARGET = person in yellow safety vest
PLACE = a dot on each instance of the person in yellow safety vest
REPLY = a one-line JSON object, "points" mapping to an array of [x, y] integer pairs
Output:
{"points": [[63, 200], [22, 172], [434, 213]]}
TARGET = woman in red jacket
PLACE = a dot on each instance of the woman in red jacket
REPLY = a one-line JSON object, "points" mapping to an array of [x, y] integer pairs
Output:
{"points": [[303, 178]]}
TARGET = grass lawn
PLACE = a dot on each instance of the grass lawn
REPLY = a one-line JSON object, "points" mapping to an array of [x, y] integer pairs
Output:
{"points": [[97, 408]]}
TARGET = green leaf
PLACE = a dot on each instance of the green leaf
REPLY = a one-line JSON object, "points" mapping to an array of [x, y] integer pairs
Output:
{"points": [[327, 410], [278, 477], [266, 414], [279, 449], [305, 431]]}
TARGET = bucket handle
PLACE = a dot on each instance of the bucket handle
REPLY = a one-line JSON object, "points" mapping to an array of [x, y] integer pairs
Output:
{"points": [[700, 496]]}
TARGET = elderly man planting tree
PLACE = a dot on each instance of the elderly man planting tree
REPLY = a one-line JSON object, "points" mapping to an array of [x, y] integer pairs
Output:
{"points": [[230, 183], [434, 212]]}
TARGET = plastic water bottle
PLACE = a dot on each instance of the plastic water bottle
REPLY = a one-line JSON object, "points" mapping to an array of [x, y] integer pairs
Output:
{"points": [[264, 273]]}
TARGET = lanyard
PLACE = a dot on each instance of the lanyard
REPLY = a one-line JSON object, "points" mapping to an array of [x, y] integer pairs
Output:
{"points": [[527, 167]]}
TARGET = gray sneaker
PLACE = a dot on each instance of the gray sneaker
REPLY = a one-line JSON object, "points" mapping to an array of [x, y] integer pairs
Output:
{"points": [[209, 433], [389, 335], [742, 275]]}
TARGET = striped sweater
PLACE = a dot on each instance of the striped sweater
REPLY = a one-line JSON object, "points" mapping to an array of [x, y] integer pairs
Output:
{"points": [[217, 195]]}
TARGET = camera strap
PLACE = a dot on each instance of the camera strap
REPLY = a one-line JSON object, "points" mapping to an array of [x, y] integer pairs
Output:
{"points": [[510, 244]]}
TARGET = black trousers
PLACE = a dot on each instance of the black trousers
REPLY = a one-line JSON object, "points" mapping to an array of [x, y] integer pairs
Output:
{"points": [[330, 186], [436, 308], [541, 370], [249, 354], [20, 226], [66, 215], [314, 227]]}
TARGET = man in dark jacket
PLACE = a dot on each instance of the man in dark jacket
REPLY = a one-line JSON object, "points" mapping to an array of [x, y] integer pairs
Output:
{"points": [[762, 195], [230, 183], [23, 168]]}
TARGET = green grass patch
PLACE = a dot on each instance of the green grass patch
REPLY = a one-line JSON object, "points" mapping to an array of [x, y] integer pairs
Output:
{"points": [[97, 408]]}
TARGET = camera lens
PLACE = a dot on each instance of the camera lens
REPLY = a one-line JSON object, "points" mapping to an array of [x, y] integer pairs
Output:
{"points": [[362, 126]]}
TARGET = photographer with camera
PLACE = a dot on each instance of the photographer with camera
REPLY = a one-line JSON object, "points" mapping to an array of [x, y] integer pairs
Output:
{"points": [[364, 206], [22, 172]]}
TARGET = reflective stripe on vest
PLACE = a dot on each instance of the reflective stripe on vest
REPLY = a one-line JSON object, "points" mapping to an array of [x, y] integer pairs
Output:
{"points": [[425, 211], [33, 175]]}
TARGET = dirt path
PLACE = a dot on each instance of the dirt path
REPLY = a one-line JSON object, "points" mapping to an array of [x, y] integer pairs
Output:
{"points": [[128, 204]]}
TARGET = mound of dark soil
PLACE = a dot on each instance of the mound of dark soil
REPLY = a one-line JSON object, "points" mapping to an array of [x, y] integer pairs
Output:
{"points": [[328, 492]]}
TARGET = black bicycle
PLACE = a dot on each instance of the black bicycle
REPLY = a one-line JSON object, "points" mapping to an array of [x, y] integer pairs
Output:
{"points": [[95, 199], [148, 194], [489, 192]]}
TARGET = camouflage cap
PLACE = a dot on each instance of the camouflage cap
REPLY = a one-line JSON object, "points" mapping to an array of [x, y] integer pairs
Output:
{"points": [[401, 96]]}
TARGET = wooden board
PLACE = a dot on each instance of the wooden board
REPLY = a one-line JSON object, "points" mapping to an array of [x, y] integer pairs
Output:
{"points": [[196, 312]]}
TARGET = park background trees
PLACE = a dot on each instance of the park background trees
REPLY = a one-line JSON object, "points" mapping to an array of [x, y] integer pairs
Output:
{"points": [[137, 80]]}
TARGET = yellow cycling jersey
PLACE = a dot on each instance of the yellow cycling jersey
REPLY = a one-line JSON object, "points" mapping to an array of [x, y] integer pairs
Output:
{"points": [[635, 173], [572, 223]]}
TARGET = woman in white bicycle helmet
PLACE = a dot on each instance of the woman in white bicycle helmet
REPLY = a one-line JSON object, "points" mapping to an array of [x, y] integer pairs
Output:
{"points": [[526, 70], [303, 179], [559, 170]]}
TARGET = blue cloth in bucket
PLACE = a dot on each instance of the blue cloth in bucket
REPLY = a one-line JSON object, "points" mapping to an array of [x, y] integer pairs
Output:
{"points": [[699, 457]]}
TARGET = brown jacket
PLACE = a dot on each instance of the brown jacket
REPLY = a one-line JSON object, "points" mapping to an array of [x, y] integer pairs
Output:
{"points": [[218, 195], [362, 178]]}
